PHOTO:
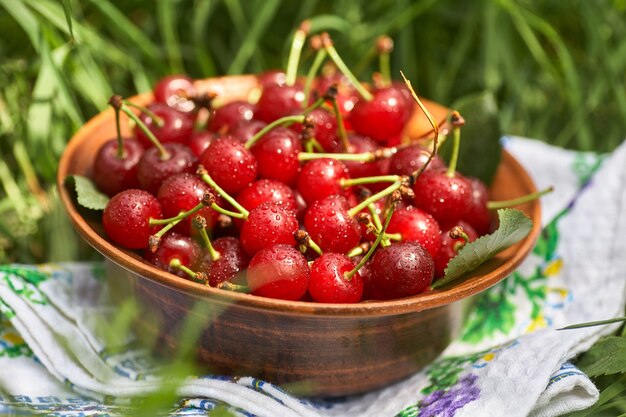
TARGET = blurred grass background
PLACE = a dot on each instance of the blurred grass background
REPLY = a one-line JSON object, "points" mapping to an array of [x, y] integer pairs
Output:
{"points": [[556, 69]]}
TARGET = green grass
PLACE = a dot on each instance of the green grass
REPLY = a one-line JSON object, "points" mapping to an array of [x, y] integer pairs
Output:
{"points": [[556, 68]]}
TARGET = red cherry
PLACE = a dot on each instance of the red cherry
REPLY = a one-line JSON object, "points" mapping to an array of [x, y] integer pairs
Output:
{"points": [[401, 270], [478, 215], [152, 170], [450, 247], [229, 266], [357, 169], [324, 129], [230, 115], [382, 117], [264, 190], [182, 192], [278, 271], [347, 96], [277, 101], [174, 246], [446, 198], [127, 215], [277, 155], [113, 174], [244, 131], [416, 225], [200, 140], [330, 225], [267, 225], [230, 164], [320, 178], [328, 283], [272, 77], [176, 91], [175, 127], [408, 160]]}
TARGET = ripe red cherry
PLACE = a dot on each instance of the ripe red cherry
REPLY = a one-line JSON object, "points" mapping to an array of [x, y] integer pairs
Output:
{"points": [[182, 192], [230, 164], [478, 215], [410, 159], [450, 247], [152, 170], [113, 174], [383, 117], [278, 271], [177, 91], [276, 154], [230, 115], [401, 270], [277, 101], [127, 215], [446, 198], [199, 141], [230, 265], [174, 246], [324, 129], [328, 283], [267, 225], [244, 131], [175, 127], [264, 190], [357, 169], [320, 178], [415, 225], [272, 77], [347, 96], [330, 225]]}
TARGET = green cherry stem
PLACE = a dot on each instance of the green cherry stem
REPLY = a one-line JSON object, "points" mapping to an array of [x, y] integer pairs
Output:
{"points": [[229, 286], [381, 194], [494, 205], [297, 44], [341, 128], [199, 223], [311, 145], [116, 102], [146, 111], [334, 55], [456, 142], [176, 219], [349, 182], [164, 154], [363, 157], [384, 47], [278, 122], [394, 200], [204, 175], [310, 77], [304, 239], [199, 277]]}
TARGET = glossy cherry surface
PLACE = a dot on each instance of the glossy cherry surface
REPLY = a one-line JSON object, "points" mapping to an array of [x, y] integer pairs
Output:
{"points": [[328, 283], [230, 164], [279, 271], [113, 174]]}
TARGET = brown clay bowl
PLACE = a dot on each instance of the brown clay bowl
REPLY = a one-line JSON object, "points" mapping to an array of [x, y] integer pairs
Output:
{"points": [[331, 349]]}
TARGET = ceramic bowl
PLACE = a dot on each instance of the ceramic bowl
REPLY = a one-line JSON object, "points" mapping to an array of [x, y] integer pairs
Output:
{"points": [[324, 349]]}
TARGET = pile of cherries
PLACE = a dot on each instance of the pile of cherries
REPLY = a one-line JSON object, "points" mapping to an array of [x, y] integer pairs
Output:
{"points": [[310, 193]]}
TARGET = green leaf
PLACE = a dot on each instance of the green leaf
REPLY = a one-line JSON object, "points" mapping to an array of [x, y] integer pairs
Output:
{"points": [[514, 226], [606, 357], [87, 194], [479, 154], [67, 9]]}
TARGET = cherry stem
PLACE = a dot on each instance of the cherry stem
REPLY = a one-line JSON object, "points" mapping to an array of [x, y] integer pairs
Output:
{"points": [[303, 238], [362, 157], [204, 175], [199, 277], [384, 45], [162, 151], [229, 286], [176, 219], [457, 232], [341, 129], [381, 194], [318, 103], [297, 44], [310, 77], [121, 154], [375, 218], [493, 205], [456, 142], [199, 223], [311, 145], [278, 122], [156, 119], [334, 55], [348, 275], [349, 182]]}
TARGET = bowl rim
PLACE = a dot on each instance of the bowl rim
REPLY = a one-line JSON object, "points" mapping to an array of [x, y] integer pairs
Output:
{"points": [[424, 301]]}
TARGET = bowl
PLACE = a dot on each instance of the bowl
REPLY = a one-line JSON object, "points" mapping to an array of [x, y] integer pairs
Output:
{"points": [[324, 349]]}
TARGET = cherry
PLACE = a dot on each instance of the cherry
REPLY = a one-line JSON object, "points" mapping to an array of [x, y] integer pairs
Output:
{"points": [[264, 190], [277, 101], [382, 117], [358, 169], [244, 131], [279, 271], [230, 164], [347, 95], [276, 154], [182, 192], [328, 282], [479, 215], [416, 225], [199, 141], [172, 126], [320, 178], [450, 246], [408, 160], [127, 215], [229, 265], [113, 172], [324, 126], [177, 91], [230, 115], [272, 77], [330, 225], [174, 246], [446, 198], [266, 225], [153, 168], [401, 270]]}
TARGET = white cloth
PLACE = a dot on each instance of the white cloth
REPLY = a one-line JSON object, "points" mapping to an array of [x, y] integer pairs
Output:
{"points": [[508, 361]]}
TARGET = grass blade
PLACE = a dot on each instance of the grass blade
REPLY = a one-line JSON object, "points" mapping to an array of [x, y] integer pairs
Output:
{"points": [[166, 15], [67, 9]]}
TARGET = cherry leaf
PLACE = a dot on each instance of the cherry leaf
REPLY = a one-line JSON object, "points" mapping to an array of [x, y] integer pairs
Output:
{"points": [[514, 226], [87, 194], [606, 357]]}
